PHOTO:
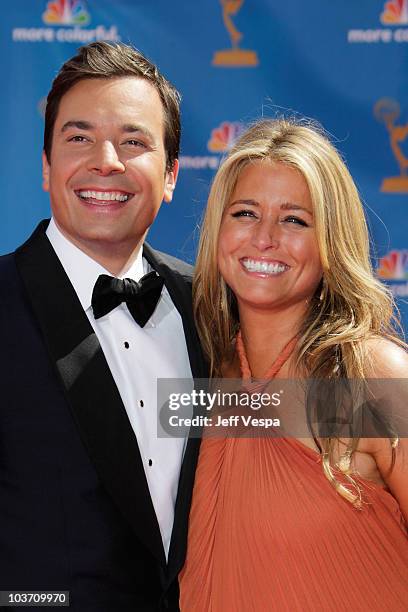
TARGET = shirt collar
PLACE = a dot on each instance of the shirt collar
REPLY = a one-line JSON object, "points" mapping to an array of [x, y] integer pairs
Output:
{"points": [[82, 270]]}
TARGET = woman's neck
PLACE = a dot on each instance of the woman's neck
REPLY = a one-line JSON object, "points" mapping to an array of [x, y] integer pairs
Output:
{"points": [[265, 333]]}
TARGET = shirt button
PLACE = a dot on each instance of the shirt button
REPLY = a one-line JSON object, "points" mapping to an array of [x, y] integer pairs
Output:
{"points": [[126, 344], [150, 462], [141, 403]]}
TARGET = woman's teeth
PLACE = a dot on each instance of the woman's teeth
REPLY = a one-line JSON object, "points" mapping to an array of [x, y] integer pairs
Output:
{"points": [[263, 267]]}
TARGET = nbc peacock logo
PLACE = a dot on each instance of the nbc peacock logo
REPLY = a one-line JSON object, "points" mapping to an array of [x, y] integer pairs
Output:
{"points": [[395, 12], [224, 136], [394, 15], [393, 268], [66, 12]]}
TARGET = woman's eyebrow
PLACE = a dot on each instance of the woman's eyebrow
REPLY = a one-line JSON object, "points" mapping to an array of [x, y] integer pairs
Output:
{"points": [[245, 202]]}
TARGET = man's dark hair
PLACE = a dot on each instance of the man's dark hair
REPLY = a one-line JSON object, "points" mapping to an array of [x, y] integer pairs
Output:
{"points": [[102, 60]]}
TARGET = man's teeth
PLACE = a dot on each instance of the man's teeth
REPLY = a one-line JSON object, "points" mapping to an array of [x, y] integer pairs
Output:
{"points": [[264, 267], [105, 196]]}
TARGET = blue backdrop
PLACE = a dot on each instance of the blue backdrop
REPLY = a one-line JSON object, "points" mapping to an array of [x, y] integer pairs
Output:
{"points": [[343, 63]]}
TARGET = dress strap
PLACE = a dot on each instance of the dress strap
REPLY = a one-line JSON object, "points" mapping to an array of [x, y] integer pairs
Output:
{"points": [[276, 366]]}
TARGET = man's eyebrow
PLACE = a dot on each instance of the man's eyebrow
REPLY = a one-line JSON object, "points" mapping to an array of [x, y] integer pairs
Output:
{"points": [[131, 128], [128, 128], [79, 124]]}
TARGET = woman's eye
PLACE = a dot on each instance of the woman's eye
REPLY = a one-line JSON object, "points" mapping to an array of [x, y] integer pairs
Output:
{"points": [[296, 221], [243, 213]]}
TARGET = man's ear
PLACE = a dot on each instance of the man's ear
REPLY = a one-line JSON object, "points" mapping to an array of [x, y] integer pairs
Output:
{"points": [[45, 172], [170, 181]]}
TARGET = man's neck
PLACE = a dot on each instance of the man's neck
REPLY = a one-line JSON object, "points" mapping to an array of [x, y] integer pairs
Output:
{"points": [[115, 258]]}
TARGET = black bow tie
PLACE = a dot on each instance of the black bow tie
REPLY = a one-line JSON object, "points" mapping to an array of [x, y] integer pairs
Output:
{"points": [[141, 297]]}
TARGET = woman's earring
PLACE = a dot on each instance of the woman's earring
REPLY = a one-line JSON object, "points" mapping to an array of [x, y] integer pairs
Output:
{"points": [[322, 291]]}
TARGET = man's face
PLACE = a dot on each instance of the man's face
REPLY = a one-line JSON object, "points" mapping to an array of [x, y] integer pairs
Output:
{"points": [[107, 174]]}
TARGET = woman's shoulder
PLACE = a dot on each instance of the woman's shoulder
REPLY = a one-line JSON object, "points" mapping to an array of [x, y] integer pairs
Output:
{"points": [[387, 378], [386, 358]]}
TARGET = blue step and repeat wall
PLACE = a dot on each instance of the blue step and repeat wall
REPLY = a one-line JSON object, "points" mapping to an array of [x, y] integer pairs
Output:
{"points": [[343, 63]]}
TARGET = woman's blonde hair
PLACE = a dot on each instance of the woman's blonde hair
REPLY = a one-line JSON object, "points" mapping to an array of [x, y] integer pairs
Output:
{"points": [[350, 305]]}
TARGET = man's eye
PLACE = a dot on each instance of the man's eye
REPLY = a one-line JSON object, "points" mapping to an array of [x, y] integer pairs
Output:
{"points": [[77, 139], [135, 143], [296, 221], [243, 213]]}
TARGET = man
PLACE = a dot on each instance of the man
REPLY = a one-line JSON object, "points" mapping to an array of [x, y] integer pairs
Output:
{"points": [[91, 501]]}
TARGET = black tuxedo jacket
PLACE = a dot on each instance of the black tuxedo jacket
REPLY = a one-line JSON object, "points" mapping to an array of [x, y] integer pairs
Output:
{"points": [[75, 508]]}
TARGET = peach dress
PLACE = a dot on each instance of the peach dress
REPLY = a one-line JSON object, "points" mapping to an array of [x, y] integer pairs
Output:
{"points": [[268, 532]]}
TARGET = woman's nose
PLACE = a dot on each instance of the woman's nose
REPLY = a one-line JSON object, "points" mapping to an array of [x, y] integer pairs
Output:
{"points": [[266, 235]]}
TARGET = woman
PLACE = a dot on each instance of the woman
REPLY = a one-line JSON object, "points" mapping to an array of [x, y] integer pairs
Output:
{"points": [[284, 288]]}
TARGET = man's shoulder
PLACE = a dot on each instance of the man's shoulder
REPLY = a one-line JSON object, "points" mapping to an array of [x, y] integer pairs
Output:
{"points": [[8, 266], [169, 261], [10, 281], [10, 273], [180, 266]]}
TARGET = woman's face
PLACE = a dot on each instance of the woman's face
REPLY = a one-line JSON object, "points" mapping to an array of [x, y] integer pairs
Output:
{"points": [[267, 248]]}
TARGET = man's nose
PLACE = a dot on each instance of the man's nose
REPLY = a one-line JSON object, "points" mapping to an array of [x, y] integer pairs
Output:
{"points": [[266, 235], [105, 160]]}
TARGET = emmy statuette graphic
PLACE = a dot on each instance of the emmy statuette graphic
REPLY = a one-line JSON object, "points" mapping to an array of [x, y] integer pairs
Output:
{"points": [[387, 111], [235, 56]]}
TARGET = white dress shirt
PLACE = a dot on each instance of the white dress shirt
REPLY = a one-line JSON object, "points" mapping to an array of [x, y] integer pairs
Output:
{"points": [[137, 357]]}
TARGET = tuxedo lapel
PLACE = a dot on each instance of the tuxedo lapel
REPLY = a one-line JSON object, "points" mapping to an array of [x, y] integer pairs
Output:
{"points": [[180, 291], [179, 288], [91, 392]]}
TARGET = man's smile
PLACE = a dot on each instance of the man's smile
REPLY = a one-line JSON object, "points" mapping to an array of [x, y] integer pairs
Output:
{"points": [[103, 198]]}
